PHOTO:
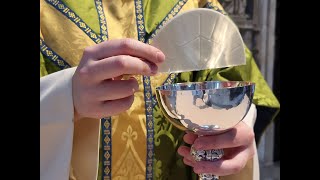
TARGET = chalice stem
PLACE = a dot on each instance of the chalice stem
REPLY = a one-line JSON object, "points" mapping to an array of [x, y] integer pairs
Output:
{"points": [[207, 155]]}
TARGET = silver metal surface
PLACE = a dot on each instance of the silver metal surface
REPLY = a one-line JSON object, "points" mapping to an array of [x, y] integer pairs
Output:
{"points": [[206, 108]]}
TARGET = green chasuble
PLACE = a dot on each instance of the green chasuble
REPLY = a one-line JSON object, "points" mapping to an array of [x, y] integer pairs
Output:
{"points": [[138, 143]]}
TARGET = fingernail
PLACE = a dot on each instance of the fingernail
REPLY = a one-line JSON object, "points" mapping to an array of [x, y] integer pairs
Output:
{"points": [[160, 57], [154, 69]]}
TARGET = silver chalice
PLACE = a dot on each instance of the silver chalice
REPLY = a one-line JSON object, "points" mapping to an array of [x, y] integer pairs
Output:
{"points": [[206, 108]]}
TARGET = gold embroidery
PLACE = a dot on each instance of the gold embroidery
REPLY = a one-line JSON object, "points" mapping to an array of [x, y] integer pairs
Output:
{"points": [[107, 148], [129, 166], [102, 20], [55, 58], [171, 14], [120, 14], [68, 42], [121, 155]]}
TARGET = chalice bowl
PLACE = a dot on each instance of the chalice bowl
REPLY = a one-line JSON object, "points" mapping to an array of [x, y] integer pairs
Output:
{"points": [[206, 108]]}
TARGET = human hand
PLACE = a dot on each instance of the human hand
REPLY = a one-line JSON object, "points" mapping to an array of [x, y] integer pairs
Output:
{"points": [[98, 90], [238, 146]]}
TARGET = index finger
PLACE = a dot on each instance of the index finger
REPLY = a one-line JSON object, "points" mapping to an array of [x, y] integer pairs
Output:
{"points": [[125, 47]]}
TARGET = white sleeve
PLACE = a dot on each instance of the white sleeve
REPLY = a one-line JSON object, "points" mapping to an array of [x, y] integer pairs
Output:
{"points": [[250, 119], [56, 125]]}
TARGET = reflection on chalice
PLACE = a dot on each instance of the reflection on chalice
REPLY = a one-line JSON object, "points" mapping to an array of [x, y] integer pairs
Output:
{"points": [[206, 108]]}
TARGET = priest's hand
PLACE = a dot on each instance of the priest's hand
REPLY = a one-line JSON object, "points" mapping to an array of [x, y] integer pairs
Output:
{"points": [[98, 90], [238, 146]]}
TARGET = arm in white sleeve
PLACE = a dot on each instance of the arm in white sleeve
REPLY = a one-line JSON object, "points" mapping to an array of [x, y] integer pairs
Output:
{"points": [[64, 143], [56, 125]]}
